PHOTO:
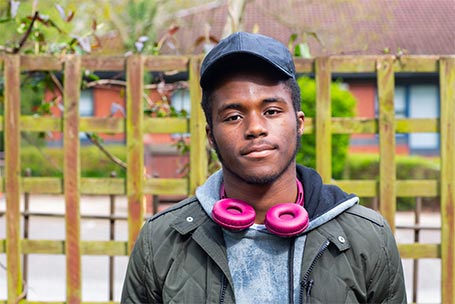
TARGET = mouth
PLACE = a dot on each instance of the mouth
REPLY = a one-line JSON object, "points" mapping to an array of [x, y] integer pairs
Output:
{"points": [[258, 150]]}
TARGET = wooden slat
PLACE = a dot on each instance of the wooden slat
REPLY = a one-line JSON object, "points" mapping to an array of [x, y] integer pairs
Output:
{"points": [[71, 184], [387, 168], [166, 186], [12, 175], [417, 188], [166, 125], [343, 125], [367, 64], [353, 64], [353, 125], [111, 125], [416, 64], [362, 188], [416, 125], [42, 185], [447, 90], [404, 188], [323, 119], [41, 124], [103, 63], [166, 63], [110, 248], [41, 63], [198, 152], [103, 186], [420, 251], [104, 124], [135, 147], [309, 126], [303, 65], [340, 125]]}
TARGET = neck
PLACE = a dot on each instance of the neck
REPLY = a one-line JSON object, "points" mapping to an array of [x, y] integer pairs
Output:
{"points": [[262, 196]]}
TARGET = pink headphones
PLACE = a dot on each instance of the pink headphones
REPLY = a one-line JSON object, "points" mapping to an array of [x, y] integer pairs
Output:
{"points": [[286, 219]]}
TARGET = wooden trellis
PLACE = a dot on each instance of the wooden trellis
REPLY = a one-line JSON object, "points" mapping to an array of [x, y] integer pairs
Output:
{"points": [[135, 125]]}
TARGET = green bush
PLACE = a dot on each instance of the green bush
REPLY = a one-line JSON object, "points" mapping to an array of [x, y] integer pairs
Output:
{"points": [[343, 105], [49, 161]]}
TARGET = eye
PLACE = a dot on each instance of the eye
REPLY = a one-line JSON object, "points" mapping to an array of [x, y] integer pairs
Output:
{"points": [[272, 112], [233, 117]]}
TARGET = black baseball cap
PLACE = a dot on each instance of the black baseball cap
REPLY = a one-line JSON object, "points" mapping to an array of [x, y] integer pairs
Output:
{"points": [[264, 48]]}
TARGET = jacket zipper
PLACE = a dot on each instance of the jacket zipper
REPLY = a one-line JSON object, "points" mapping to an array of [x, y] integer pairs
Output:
{"points": [[307, 284], [223, 288]]}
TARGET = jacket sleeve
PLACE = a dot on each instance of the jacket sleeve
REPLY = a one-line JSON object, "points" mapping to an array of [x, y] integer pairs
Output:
{"points": [[137, 279], [387, 284]]}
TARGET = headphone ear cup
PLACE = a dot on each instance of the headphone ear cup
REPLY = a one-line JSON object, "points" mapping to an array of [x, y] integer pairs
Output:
{"points": [[286, 219], [233, 214]]}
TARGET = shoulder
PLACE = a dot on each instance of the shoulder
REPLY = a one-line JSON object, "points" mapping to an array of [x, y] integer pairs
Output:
{"points": [[362, 213], [175, 210], [365, 228], [183, 217]]}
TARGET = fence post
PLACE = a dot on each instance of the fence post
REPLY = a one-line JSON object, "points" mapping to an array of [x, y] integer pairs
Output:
{"points": [[111, 238], [198, 151], [387, 167], [447, 180], [12, 176], [135, 146], [71, 177], [323, 119], [28, 173]]}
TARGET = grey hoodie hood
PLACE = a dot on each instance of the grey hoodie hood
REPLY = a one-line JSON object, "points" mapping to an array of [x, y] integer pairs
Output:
{"points": [[322, 202]]}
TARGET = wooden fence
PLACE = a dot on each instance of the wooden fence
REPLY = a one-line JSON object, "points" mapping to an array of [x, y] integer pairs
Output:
{"points": [[387, 188]]}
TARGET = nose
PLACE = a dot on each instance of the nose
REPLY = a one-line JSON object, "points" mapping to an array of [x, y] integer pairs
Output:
{"points": [[256, 126]]}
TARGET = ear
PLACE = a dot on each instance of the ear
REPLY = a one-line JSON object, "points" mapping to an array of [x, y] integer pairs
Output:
{"points": [[300, 122], [209, 134]]}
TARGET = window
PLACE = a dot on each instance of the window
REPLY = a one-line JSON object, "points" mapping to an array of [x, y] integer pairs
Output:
{"points": [[423, 103], [86, 108], [181, 101]]}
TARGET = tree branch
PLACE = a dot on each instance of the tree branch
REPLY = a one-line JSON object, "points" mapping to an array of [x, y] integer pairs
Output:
{"points": [[26, 34]]}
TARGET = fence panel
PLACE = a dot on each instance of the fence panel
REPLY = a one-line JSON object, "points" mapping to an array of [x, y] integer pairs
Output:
{"points": [[135, 125]]}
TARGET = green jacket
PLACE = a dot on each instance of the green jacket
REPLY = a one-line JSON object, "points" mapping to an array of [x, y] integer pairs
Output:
{"points": [[180, 255]]}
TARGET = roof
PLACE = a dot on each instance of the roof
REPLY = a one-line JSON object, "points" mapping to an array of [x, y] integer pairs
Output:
{"points": [[424, 27]]}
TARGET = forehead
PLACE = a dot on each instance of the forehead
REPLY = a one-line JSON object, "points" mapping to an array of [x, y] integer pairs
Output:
{"points": [[249, 89], [250, 84]]}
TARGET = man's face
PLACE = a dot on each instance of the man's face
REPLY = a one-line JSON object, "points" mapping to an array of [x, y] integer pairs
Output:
{"points": [[255, 128]]}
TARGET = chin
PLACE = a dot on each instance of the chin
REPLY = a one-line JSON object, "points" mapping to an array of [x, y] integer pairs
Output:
{"points": [[262, 177]]}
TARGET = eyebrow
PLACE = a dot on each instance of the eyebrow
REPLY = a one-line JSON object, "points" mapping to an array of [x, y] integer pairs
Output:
{"points": [[238, 106], [273, 100], [264, 101]]}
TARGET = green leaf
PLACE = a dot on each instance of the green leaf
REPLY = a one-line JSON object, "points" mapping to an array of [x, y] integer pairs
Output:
{"points": [[302, 50]]}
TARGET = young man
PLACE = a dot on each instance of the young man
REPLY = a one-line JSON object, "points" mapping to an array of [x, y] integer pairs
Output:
{"points": [[245, 236]]}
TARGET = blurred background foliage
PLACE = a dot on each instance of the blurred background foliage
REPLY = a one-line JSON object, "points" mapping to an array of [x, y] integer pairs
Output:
{"points": [[86, 26]]}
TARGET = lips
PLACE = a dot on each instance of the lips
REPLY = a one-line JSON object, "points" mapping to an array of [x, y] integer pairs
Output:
{"points": [[258, 150]]}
